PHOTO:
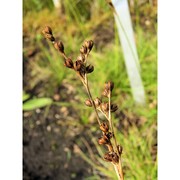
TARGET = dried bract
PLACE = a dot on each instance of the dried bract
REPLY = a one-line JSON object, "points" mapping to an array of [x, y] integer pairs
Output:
{"points": [[115, 158], [114, 107], [88, 103], [89, 69], [89, 44], [108, 157], [97, 102], [59, 46], [78, 65], [83, 50], [81, 57], [47, 30], [105, 93], [69, 63], [104, 140], [105, 107], [110, 85], [49, 37], [120, 149], [104, 127], [111, 157]]}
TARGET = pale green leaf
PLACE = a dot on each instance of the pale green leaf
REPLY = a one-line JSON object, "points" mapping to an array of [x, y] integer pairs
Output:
{"points": [[36, 103]]}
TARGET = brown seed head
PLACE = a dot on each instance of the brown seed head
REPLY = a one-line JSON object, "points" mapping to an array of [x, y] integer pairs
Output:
{"points": [[89, 44], [47, 30], [108, 156], [103, 140], [97, 102], [105, 93], [104, 127], [59, 46], [110, 85], [78, 65], [49, 37], [81, 57], [88, 102], [89, 69], [115, 158], [120, 149], [69, 63], [111, 157], [109, 135], [105, 107], [83, 50], [114, 107]]}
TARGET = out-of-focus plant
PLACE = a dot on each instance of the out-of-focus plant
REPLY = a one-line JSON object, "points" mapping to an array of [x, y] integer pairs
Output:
{"points": [[31, 104], [36, 5]]}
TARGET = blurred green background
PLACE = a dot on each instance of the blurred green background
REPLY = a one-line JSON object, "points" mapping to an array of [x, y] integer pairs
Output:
{"points": [[59, 133]]}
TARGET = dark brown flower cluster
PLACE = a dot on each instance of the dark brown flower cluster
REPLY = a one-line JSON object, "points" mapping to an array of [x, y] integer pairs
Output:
{"points": [[48, 34], [104, 106], [112, 155], [79, 65]]}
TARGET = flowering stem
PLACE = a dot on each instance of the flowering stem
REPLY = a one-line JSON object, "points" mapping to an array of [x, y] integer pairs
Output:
{"points": [[118, 167]]}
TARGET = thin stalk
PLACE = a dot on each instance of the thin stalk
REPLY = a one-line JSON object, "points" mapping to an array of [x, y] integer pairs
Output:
{"points": [[111, 124], [117, 167], [117, 172]]}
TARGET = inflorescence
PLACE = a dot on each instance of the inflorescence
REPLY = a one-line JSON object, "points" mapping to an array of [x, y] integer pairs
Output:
{"points": [[81, 67]]}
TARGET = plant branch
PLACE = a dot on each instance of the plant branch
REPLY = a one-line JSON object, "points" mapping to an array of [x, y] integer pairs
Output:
{"points": [[117, 167]]}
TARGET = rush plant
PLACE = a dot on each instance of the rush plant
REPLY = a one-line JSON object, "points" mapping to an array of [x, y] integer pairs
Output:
{"points": [[101, 104]]}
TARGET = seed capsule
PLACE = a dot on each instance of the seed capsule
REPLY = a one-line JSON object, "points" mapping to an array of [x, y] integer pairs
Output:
{"points": [[110, 85], [89, 44], [59, 46], [115, 158], [68, 63], [120, 149], [47, 30], [103, 140], [88, 102], [109, 135], [78, 65], [49, 37], [111, 157], [105, 93], [83, 50], [114, 107], [89, 69], [81, 58], [104, 127], [108, 157], [105, 106], [97, 102]]}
